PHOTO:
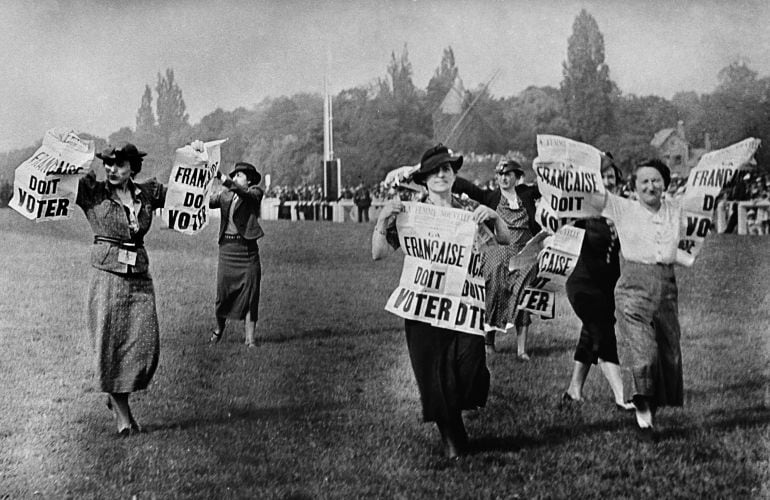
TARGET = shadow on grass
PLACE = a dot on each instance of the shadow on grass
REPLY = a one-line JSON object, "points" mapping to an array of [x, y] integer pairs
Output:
{"points": [[248, 414], [723, 420]]}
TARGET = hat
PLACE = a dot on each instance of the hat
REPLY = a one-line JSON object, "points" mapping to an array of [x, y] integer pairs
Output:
{"points": [[435, 157], [609, 162], [508, 166], [248, 169], [125, 151]]}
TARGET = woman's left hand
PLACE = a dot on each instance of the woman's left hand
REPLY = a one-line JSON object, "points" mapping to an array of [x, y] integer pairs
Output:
{"points": [[483, 214], [198, 146]]}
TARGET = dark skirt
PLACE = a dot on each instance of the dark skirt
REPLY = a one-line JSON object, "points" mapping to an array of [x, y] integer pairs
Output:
{"points": [[239, 273], [594, 303], [450, 369], [123, 326]]}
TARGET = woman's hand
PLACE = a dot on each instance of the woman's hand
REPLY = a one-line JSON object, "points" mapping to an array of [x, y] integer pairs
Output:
{"points": [[483, 214], [391, 208], [198, 146]]}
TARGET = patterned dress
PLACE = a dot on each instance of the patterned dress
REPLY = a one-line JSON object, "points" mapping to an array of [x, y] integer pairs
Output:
{"points": [[122, 318], [503, 287]]}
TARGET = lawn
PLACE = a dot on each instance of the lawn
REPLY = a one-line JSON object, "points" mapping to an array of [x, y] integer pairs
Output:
{"points": [[326, 406]]}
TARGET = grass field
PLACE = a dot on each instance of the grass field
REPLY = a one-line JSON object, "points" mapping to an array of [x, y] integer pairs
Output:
{"points": [[326, 406]]}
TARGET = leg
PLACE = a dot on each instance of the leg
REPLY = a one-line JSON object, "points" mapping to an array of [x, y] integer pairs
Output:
{"points": [[579, 374], [489, 341], [122, 410], [249, 327], [521, 342], [611, 372]]}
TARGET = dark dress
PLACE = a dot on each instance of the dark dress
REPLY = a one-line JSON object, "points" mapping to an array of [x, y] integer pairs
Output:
{"points": [[239, 269], [450, 367], [122, 317], [590, 290]]}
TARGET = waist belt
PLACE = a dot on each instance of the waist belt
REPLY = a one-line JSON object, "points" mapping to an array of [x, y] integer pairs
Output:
{"points": [[124, 244], [232, 237]]}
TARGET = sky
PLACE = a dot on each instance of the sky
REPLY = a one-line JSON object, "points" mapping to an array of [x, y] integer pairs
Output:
{"points": [[83, 64]]}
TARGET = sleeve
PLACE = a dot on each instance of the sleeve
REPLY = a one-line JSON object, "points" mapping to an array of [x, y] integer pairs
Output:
{"points": [[156, 191], [613, 207], [253, 195], [216, 200], [464, 186], [86, 187]]}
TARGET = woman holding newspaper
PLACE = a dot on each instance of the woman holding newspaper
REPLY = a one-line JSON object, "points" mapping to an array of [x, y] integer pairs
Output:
{"points": [[646, 293], [590, 290], [122, 318], [239, 270], [449, 366]]}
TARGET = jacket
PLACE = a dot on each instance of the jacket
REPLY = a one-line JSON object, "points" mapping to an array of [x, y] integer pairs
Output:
{"points": [[247, 210]]}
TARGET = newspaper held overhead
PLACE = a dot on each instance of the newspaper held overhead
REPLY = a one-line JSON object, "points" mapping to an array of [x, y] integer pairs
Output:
{"points": [[189, 187], [714, 170], [45, 186], [442, 282], [569, 179]]}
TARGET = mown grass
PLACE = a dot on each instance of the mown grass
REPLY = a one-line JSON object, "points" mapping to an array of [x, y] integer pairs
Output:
{"points": [[326, 407]]}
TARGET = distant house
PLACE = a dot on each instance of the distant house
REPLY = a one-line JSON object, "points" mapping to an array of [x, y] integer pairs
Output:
{"points": [[673, 148]]}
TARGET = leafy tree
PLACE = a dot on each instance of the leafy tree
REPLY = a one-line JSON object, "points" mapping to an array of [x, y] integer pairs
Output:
{"points": [[442, 80], [145, 117], [586, 86], [172, 118]]}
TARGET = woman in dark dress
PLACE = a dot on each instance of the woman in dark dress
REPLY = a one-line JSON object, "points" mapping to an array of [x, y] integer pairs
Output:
{"points": [[449, 366], [590, 290], [122, 318], [239, 270]]}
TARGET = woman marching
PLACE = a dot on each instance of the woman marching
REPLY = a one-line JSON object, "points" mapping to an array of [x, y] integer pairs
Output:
{"points": [[590, 290], [122, 317], [514, 203], [449, 366], [646, 294], [239, 270]]}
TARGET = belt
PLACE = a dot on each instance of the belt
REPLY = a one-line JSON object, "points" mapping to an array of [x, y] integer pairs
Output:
{"points": [[232, 237], [125, 244]]}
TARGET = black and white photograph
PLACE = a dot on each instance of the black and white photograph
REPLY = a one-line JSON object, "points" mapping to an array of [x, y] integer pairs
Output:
{"points": [[495, 249]]}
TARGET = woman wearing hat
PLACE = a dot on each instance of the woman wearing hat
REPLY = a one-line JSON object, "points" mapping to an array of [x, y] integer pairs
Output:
{"points": [[590, 290], [646, 293], [449, 366], [122, 318], [514, 203], [239, 271]]}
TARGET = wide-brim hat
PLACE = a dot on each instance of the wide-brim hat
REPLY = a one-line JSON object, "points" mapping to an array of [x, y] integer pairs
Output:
{"points": [[248, 169], [123, 151], [508, 166], [434, 158], [609, 162]]}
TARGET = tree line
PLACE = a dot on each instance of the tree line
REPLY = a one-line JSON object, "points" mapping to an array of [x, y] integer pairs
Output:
{"points": [[390, 122]]}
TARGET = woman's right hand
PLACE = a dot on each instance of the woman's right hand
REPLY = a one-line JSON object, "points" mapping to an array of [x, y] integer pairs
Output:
{"points": [[391, 208]]}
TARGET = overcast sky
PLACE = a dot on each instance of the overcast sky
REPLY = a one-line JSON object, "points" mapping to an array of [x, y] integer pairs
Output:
{"points": [[84, 64]]}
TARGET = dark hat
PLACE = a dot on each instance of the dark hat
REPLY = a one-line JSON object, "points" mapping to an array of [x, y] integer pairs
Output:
{"points": [[508, 166], [434, 158], [124, 151], [248, 169], [609, 162]]}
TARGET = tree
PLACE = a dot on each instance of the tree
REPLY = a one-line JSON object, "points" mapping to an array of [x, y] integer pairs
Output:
{"points": [[586, 86], [172, 118], [442, 80], [145, 117]]}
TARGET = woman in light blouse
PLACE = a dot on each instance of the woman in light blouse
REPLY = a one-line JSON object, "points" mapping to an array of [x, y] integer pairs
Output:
{"points": [[646, 293]]}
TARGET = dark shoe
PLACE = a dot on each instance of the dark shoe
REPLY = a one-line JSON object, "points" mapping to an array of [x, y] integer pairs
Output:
{"points": [[645, 434], [109, 402], [568, 401], [215, 337]]}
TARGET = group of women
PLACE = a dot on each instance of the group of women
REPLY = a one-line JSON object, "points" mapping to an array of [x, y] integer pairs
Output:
{"points": [[450, 366], [122, 318]]}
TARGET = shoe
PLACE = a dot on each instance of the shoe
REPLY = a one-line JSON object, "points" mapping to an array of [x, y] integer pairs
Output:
{"points": [[567, 401], [250, 344], [645, 434], [215, 337], [522, 357], [625, 407], [109, 402]]}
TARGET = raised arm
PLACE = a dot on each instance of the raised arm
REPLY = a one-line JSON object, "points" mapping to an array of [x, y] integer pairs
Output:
{"points": [[466, 187], [380, 245]]}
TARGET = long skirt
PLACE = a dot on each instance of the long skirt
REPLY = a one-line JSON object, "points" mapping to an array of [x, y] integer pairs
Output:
{"points": [[239, 273], [123, 326], [450, 368], [646, 310], [503, 288]]}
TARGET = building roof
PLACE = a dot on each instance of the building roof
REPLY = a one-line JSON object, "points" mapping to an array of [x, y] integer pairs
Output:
{"points": [[660, 137]]}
